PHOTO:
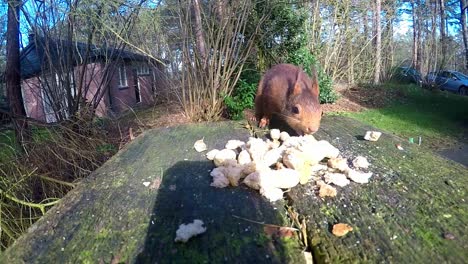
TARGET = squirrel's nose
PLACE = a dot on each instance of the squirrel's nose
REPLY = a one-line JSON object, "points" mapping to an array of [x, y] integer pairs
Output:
{"points": [[311, 130]]}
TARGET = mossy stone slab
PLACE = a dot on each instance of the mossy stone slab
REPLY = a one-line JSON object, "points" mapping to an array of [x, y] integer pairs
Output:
{"points": [[413, 210], [112, 217]]}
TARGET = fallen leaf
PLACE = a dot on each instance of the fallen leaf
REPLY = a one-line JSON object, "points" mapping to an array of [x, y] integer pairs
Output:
{"points": [[449, 236], [278, 231], [269, 230], [341, 229], [285, 232]]}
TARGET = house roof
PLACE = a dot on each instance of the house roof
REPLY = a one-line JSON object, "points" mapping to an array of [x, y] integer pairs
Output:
{"points": [[34, 56]]}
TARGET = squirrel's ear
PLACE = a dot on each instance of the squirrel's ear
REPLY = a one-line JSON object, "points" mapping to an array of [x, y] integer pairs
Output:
{"points": [[297, 86], [314, 85]]}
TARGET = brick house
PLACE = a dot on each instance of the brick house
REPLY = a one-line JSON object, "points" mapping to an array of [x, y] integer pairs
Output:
{"points": [[114, 79]]}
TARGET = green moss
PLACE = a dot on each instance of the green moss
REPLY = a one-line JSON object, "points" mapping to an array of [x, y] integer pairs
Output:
{"points": [[103, 234], [236, 245], [430, 238], [262, 239], [328, 210], [290, 244], [86, 256], [119, 182], [188, 253]]}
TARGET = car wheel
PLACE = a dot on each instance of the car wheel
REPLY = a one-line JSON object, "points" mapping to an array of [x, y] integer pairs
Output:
{"points": [[463, 90]]}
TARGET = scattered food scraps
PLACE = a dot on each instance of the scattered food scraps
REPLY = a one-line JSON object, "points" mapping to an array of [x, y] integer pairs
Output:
{"points": [[360, 162], [185, 232], [359, 177], [338, 163], [244, 157], [270, 166], [200, 146], [326, 190], [337, 179], [275, 134], [212, 154], [272, 193], [372, 135], [224, 155], [234, 144], [341, 229]]}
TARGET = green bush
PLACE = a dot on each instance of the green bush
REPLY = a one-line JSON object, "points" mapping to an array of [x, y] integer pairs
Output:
{"points": [[242, 98], [305, 59]]}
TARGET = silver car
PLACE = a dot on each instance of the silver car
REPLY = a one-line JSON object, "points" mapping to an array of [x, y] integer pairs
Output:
{"points": [[452, 81]]}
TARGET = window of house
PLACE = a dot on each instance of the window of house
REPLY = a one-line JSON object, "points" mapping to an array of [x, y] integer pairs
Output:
{"points": [[142, 69], [123, 76]]}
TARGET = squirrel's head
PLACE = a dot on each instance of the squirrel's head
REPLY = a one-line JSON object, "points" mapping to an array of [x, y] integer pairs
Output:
{"points": [[303, 111]]}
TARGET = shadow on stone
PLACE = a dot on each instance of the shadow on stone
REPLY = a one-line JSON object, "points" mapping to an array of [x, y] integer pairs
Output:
{"points": [[185, 194], [359, 137]]}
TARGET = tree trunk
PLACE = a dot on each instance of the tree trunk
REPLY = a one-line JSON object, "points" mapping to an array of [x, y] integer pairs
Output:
{"points": [[415, 34], [378, 42], [12, 72], [220, 5], [443, 37], [419, 30], [388, 45], [199, 30], [463, 7], [433, 50]]}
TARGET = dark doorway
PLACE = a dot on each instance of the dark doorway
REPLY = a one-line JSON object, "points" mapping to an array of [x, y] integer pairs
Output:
{"points": [[136, 84]]}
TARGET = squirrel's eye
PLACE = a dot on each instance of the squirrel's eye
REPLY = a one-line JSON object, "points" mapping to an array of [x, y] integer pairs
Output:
{"points": [[295, 110]]}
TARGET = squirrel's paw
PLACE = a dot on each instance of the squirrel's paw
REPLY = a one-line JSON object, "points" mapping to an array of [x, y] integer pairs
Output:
{"points": [[263, 122]]}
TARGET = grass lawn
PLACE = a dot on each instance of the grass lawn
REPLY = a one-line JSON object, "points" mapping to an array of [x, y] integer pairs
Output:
{"points": [[440, 118]]}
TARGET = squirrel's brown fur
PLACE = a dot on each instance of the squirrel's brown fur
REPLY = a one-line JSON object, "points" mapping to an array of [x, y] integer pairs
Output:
{"points": [[288, 92]]}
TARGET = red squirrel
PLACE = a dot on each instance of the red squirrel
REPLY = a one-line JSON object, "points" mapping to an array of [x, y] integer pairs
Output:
{"points": [[289, 93]]}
